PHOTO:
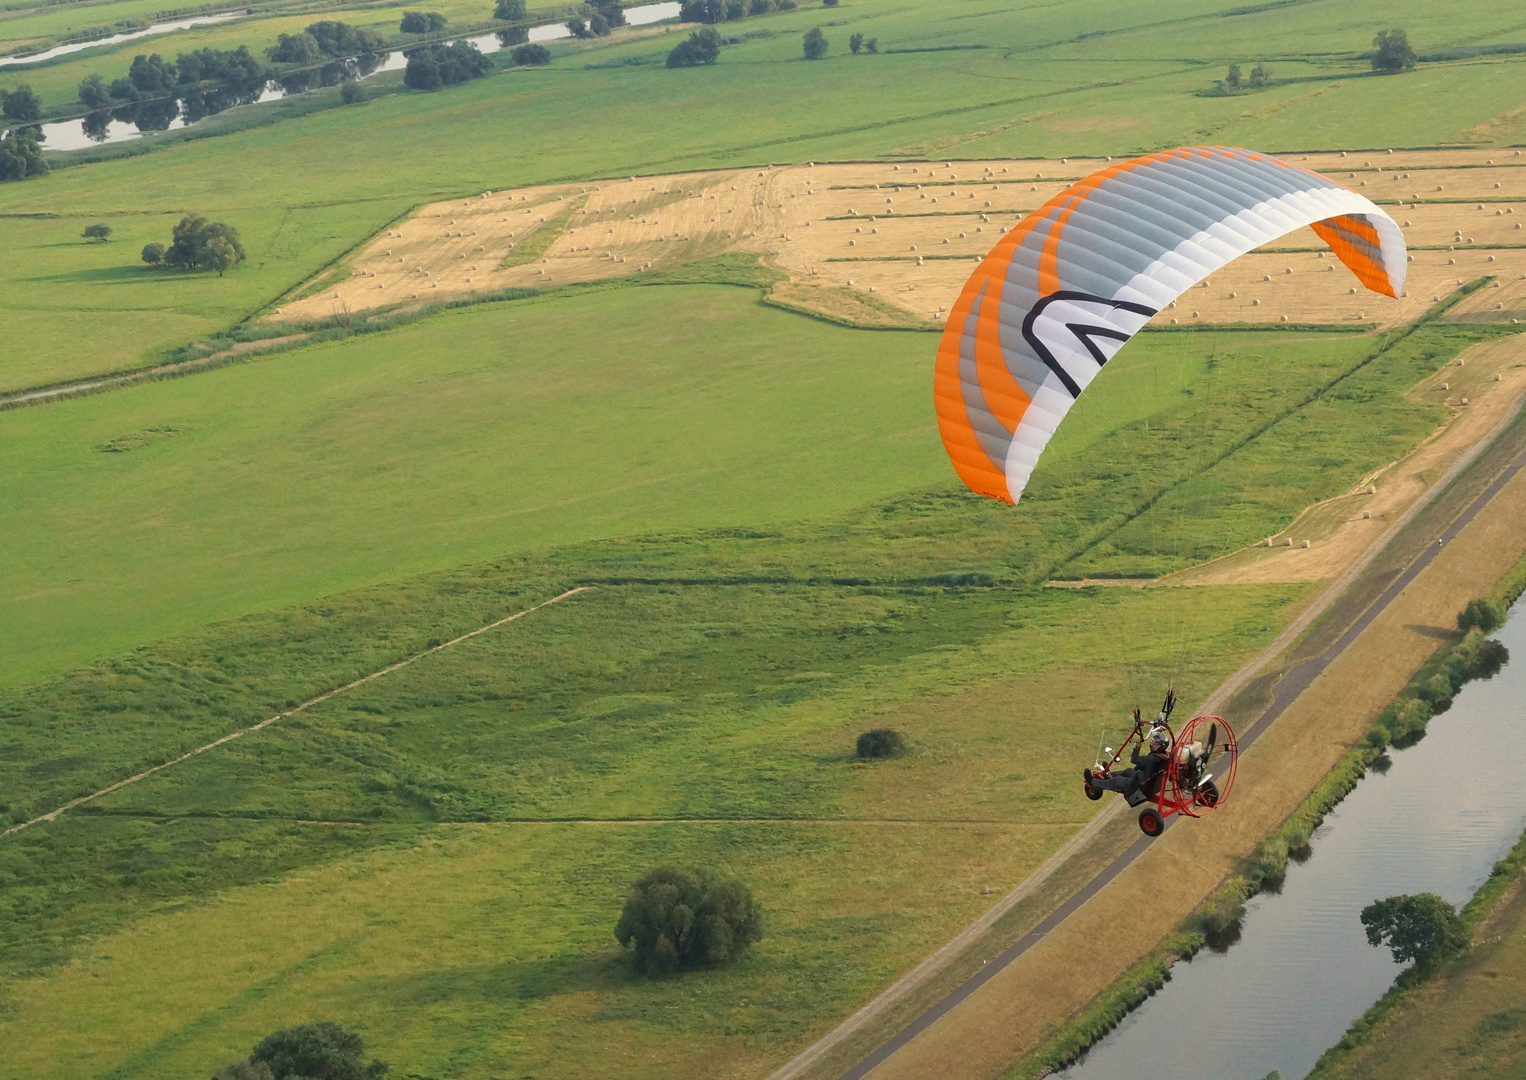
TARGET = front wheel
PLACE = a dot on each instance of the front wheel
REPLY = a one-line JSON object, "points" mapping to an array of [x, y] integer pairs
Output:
{"points": [[1092, 793], [1151, 823]]}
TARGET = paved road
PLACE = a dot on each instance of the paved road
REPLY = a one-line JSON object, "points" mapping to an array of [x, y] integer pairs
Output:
{"points": [[1287, 689]]}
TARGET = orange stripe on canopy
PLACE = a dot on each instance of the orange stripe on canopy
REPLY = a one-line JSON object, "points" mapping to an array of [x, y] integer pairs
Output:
{"points": [[1367, 270]]}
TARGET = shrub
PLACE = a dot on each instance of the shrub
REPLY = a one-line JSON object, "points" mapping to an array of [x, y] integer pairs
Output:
{"points": [[815, 44], [529, 55], [1480, 614], [872, 46], [1422, 928], [321, 1051], [153, 254], [97, 233], [703, 47], [674, 921], [352, 92], [828, 3], [880, 743]]}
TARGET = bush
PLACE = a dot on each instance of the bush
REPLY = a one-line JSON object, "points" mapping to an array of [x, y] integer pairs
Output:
{"points": [[321, 1051], [673, 921], [97, 233], [828, 3], [1422, 928], [530, 55], [880, 743], [815, 44], [352, 92], [1480, 614], [872, 46], [153, 254], [703, 47]]}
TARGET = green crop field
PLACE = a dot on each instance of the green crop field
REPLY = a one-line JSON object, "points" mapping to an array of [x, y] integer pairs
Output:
{"points": [[779, 554]]}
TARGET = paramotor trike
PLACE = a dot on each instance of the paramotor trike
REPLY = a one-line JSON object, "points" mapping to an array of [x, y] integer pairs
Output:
{"points": [[1199, 770]]}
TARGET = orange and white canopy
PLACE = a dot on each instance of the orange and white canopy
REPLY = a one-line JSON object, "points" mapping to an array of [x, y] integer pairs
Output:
{"points": [[1064, 290]]}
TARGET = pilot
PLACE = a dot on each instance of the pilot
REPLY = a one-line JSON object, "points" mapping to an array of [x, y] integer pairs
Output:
{"points": [[1147, 766]]}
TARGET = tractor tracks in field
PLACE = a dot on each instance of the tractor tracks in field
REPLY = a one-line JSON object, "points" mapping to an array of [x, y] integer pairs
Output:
{"points": [[146, 773]]}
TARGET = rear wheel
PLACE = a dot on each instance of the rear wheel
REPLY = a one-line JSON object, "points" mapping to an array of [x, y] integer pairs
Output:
{"points": [[1092, 793], [1151, 823], [1208, 795]]}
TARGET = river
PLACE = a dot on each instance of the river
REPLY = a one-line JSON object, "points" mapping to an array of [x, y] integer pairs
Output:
{"points": [[1436, 820], [116, 39], [112, 126]]}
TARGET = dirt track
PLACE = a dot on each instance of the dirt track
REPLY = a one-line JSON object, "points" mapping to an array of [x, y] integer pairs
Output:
{"points": [[846, 233]]}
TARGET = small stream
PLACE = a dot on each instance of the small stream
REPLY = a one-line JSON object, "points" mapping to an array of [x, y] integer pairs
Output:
{"points": [[1436, 820], [133, 121]]}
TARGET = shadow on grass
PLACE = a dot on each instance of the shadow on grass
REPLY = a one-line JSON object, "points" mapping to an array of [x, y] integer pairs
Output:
{"points": [[129, 275], [519, 980]]}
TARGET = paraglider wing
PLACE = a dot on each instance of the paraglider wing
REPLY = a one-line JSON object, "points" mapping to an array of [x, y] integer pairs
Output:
{"points": [[1065, 289]]}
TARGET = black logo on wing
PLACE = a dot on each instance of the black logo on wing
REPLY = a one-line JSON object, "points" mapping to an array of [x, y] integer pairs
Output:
{"points": [[1086, 334]]}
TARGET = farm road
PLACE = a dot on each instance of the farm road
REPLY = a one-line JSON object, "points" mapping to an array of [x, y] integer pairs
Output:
{"points": [[1288, 690], [53, 815]]}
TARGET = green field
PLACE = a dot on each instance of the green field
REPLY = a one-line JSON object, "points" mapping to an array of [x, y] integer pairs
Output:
{"points": [[780, 554]]}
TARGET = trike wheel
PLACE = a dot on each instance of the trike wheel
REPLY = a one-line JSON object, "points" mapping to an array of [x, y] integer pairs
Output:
{"points": [[1092, 793], [1151, 823], [1208, 795]]}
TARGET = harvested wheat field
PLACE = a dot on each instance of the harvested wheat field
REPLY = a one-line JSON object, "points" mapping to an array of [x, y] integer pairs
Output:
{"points": [[908, 234]]}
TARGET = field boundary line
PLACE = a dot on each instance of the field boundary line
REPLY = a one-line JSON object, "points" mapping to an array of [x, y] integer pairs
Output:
{"points": [[54, 814], [919, 974]]}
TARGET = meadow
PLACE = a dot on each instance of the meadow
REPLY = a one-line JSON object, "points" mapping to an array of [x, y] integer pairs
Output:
{"points": [[780, 555]]}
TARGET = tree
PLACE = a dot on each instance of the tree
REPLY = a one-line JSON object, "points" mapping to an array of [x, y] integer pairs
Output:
{"points": [[1422, 928], [93, 93], [611, 11], [434, 66], [598, 25], [294, 49], [1260, 75], [1393, 53], [530, 55], [192, 245], [1482, 614], [872, 46], [815, 44], [702, 11], [244, 1070], [150, 75], [342, 39], [511, 10], [1233, 80], [828, 3], [673, 921], [352, 92], [97, 233], [703, 47], [855, 43], [321, 1051], [21, 105], [436, 22], [21, 155], [413, 22], [578, 28], [153, 254]]}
